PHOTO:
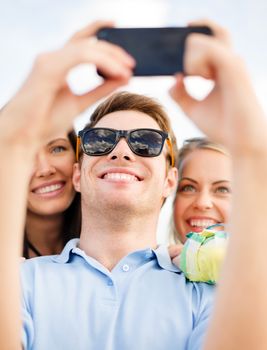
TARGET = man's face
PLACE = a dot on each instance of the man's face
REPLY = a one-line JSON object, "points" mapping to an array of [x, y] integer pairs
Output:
{"points": [[122, 180]]}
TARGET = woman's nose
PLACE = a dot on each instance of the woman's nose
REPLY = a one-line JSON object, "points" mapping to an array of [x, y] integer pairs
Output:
{"points": [[203, 201], [44, 166]]}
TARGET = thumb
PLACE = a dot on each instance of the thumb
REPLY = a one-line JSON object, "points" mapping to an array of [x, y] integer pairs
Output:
{"points": [[176, 261], [175, 250], [181, 97]]}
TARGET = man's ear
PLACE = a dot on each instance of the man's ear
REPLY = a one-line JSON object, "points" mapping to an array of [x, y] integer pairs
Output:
{"points": [[171, 181], [76, 177]]}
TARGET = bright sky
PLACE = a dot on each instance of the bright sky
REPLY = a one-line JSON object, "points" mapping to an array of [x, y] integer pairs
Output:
{"points": [[31, 26]]}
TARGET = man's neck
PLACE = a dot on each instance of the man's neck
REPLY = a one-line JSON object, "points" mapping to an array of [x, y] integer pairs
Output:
{"points": [[109, 241]]}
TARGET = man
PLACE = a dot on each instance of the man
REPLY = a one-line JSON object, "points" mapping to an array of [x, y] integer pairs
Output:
{"points": [[127, 280], [117, 285]]}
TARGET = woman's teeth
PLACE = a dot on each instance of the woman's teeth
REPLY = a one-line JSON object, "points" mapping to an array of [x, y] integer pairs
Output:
{"points": [[48, 189]]}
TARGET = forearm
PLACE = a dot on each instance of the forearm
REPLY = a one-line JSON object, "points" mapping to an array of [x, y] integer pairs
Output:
{"points": [[240, 315], [14, 178]]}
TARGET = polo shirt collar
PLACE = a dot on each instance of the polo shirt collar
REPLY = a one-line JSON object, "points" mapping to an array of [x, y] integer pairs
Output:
{"points": [[64, 256], [161, 254], [164, 260]]}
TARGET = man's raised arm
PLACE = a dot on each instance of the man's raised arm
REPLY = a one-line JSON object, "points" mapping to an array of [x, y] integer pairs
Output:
{"points": [[232, 116], [44, 106]]}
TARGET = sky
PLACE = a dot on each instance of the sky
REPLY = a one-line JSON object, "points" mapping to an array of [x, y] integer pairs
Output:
{"points": [[29, 27]]}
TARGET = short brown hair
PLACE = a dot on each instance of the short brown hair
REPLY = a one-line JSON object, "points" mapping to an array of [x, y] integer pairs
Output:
{"points": [[123, 101]]}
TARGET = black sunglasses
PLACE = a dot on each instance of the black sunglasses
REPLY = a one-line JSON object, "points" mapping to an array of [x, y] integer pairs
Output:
{"points": [[143, 142]]}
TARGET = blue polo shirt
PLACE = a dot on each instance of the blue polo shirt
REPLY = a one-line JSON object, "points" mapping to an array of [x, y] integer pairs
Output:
{"points": [[72, 302]]}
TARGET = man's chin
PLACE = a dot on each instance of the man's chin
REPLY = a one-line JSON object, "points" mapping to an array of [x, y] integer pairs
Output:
{"points": [[121, 205]]}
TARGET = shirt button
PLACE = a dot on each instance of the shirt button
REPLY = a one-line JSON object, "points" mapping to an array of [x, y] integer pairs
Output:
{"points": [[110, 283], [125, 267]]}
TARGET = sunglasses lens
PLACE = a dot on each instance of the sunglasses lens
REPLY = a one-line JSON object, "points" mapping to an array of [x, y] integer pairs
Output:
{"points": [[98, 141], [146, 143]]}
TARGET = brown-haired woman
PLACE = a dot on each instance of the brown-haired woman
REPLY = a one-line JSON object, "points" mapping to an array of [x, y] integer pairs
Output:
{"points": [[53, 206]]}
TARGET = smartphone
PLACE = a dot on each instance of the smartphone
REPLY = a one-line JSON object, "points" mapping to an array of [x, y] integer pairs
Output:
{"points": [[157, 51]]}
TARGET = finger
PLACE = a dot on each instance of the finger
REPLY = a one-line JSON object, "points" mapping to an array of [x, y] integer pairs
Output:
{"points": [[110, 59], [54, 66], [175, 250], [111, 66], [116, 52], [203, 55], [176, 261], [91, 30], [179, 94], [218, 31]]}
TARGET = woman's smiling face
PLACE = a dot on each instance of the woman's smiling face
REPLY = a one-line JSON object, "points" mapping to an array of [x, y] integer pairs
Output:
{"points": [[204, 191], [51, 190]]}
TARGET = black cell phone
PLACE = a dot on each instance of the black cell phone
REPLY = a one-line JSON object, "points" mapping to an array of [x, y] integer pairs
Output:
{"points": [[157, 51]]}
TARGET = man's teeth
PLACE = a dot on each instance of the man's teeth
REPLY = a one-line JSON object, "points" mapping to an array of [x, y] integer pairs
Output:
{"points": [[120, 177], [48, 189], [201, 223]]}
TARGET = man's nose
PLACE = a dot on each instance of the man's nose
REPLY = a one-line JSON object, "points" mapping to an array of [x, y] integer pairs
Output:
{"points": [[122, 151]]}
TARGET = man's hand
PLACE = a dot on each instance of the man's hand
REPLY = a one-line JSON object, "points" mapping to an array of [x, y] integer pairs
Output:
{"points": [[45, 105]]}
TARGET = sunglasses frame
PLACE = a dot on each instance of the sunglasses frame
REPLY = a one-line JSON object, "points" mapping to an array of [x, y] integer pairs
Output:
{"points": [[124, 134]]}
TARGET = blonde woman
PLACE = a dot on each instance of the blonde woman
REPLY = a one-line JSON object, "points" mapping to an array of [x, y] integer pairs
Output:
{"points": [[204, 190], [203, 200]]}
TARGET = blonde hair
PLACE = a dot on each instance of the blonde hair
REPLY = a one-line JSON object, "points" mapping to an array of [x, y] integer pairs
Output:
{"points": [[195, 143], [189, 146]]}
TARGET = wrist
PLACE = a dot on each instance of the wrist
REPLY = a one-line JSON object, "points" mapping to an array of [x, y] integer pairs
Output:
{"points": [[251, 172], [16, 155]]}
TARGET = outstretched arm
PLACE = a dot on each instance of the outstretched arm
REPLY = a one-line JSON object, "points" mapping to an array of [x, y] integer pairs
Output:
{"points": [[232, 116], [44, 106]]}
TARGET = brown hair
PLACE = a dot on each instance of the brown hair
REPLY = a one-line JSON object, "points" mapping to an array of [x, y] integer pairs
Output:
{"points": [[189, 146], [123, 101], [72, 216]]}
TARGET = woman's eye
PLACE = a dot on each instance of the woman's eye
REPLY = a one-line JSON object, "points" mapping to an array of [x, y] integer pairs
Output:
{"points": [[223, 189], [58, 149], [187, 188]]}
